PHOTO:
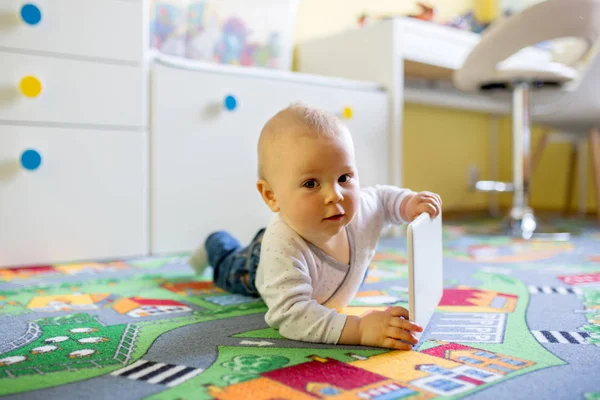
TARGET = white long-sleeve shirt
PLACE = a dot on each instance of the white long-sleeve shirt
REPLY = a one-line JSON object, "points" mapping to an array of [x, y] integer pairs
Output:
{"points": [[303, 287]]}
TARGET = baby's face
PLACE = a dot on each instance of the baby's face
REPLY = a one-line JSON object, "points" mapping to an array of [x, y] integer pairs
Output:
{"points": [[316, 184]]}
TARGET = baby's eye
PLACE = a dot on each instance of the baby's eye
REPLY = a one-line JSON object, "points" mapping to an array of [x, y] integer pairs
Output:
{"points": [[345, 178], [310, 184]]}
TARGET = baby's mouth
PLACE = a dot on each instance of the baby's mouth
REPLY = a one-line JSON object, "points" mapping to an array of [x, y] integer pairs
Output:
{"points": [[335, 217]]}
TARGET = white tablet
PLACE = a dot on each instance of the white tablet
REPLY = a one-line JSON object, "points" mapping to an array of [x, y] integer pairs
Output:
{"points": [[425, 268]]}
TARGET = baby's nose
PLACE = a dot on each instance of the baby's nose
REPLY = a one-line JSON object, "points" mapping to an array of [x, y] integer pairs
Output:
{"points": [[334, 195]]}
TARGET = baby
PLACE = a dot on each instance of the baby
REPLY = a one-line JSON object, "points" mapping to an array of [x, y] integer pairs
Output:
{"points": [[310, 260]]}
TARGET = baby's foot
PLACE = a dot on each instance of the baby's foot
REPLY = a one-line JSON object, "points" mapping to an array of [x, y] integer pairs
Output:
{"points": [[214, 249], [199, 259]]}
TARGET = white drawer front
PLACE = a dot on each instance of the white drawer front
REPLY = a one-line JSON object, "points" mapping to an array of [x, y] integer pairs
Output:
{"points": [[204, 166], [112, 29], [86, 199], [45, 89]]}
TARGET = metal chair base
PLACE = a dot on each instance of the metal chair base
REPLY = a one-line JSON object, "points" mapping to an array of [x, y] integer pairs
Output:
{"points": [[521, 221]]}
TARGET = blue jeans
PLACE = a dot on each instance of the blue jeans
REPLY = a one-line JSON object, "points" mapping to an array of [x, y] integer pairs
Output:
{"points": [[234, 266]]}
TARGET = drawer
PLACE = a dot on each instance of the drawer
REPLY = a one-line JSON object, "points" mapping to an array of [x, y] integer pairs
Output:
{"points": [[70, 194], [45, 89], [110, 29], [204, 130]]}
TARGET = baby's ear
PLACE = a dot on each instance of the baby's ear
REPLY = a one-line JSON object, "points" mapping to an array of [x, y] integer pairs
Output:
{"points": [[267, 194]]}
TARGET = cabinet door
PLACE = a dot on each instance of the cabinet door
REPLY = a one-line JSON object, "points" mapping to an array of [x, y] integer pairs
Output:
{"points": [[203, 160], [109, 29], [70, 194], [57, 90], [204, 131]]}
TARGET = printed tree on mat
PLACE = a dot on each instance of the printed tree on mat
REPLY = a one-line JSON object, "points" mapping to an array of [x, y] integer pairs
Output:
{"points": [[251, 366]]}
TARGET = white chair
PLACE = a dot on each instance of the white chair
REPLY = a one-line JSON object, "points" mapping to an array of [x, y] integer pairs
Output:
{"points": [[490, 68]]}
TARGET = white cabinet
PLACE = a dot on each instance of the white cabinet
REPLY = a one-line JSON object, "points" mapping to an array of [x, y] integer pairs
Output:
{"points": [[84, 195], [203, 157], [73, 99], [109, 29], [80, 177]]}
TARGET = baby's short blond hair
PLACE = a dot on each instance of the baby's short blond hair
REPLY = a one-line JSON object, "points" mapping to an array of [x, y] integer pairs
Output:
{"points": [[296, 119]]}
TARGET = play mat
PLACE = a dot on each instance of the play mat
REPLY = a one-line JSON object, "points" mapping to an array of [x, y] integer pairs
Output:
{"points": [[518, 320]]}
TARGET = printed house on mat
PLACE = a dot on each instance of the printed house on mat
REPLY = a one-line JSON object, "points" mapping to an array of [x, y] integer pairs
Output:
{"points": [[484, 360], [90, 267], [321, 378], [452, 381], [137, 307], [67, 302], [426, 373], [9, 274], [588, 280], [466, 299]]}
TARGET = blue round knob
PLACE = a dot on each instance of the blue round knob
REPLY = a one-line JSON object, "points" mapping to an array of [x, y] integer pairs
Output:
{"points": [[230, 103], [31, 159], [31, 14]]}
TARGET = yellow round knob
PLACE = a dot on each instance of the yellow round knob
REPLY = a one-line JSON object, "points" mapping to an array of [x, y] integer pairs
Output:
{"points": [[30, 86], [347, 112]]}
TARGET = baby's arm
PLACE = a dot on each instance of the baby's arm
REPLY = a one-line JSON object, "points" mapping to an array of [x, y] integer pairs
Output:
{"points": [[301, 318], [284, 282], [386, 201], [283, 279], [285, 286], [403, 205]]}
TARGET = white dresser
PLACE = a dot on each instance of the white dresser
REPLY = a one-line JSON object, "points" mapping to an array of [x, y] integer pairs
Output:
{"points": [[73, 131], [84, 175]]}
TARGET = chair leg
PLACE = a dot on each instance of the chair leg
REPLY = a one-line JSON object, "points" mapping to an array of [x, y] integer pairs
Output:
{"points": [[521, 137], [570, 180], [539, 150], [521, 219], [595, 150]]}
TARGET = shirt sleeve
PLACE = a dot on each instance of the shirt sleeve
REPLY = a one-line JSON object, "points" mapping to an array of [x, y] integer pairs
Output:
{"points": [[389, 198], [285, 285]]}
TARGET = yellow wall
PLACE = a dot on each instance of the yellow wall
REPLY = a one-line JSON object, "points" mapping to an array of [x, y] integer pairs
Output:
{"points": [[452, 141], [439, 146], [549, 181], [459, 139]]}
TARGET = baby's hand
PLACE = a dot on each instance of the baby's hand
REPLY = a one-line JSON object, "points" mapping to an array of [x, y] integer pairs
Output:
{"points": [[387, 328], [418, 203]]}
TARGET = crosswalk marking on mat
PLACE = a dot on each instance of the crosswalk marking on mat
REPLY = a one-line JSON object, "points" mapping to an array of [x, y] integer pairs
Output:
{"points": [[554, 290], [561, 337], [157, 373]]}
